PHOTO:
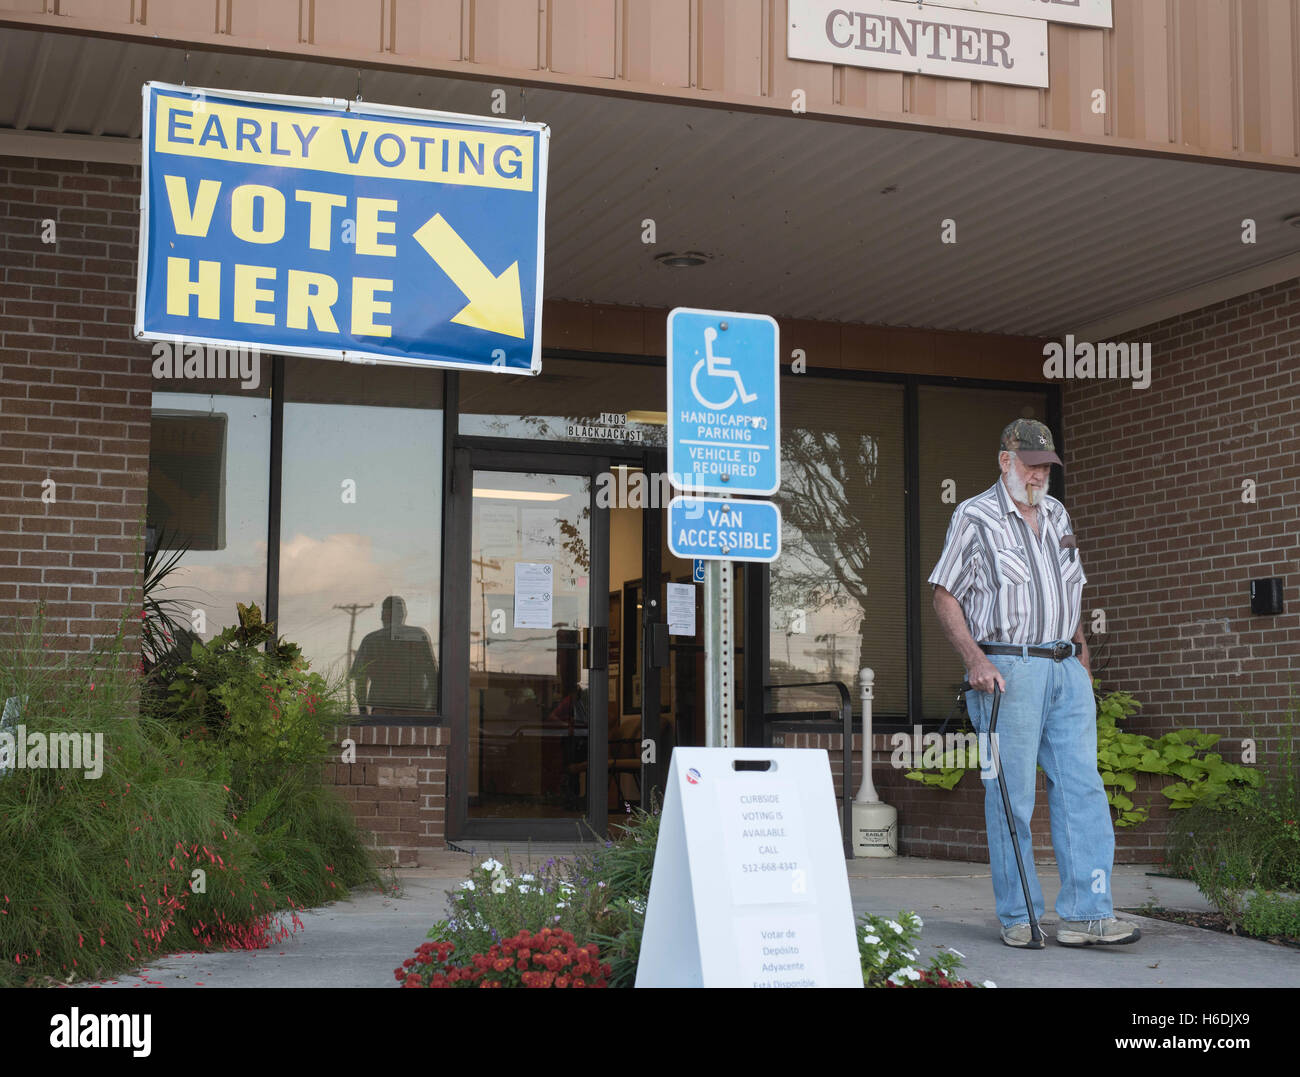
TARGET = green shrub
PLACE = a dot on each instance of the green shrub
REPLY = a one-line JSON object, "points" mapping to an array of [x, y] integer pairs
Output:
{"points": [[498, 901], [1246, 839], [156, 852], [626, 864], [263, 721], [1273, 914]]}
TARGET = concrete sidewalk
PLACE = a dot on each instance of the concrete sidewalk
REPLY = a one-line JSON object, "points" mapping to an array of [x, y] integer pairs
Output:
{"points": [[358, 943]]}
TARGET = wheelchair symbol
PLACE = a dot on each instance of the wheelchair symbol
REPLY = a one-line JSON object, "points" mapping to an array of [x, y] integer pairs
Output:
{"points": [[719, 366]]}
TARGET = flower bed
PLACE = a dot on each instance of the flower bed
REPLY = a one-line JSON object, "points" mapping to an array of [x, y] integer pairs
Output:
{"points": [[578, 923]]}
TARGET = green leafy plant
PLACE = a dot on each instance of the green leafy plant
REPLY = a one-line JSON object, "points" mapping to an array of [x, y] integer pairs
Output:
{"points": [[887, 949], [131, 854], [1270, 913], [1121, 756], [263, 713], [626, 865], [498, 901], [1247, 839], [164, 630]]}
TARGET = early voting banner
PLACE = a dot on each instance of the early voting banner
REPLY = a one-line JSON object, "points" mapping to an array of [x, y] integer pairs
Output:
{"points": [[342, 230]]}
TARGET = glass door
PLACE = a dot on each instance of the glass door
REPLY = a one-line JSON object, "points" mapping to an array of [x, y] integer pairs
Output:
{"points": [[669, 644], [537, 658]]}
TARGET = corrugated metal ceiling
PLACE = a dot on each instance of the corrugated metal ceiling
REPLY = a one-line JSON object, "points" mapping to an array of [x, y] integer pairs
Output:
{"points": [[792, 211]]}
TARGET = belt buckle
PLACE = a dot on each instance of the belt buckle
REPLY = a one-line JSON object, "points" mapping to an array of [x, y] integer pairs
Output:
{"points": [[1062, 651]]}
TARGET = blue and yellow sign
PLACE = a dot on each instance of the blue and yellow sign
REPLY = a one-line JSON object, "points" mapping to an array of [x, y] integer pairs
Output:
{"points": [[341, 230]]}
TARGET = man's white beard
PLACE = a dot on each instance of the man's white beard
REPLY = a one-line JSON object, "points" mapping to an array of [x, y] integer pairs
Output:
{"points": [[1027, 495]]}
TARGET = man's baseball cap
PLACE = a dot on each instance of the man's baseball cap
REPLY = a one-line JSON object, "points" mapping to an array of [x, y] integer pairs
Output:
{"points": [[1031, 441]]}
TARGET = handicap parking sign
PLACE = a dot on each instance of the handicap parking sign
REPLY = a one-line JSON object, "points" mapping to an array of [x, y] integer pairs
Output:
{"points": [[724, 433]]}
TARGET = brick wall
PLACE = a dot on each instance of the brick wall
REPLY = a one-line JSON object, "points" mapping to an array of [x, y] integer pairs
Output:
{"points": [[1155, 489], [74, 397], [397, 787]]}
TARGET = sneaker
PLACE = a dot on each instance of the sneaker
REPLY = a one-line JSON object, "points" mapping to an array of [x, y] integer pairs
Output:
{"points": [[1019, 935], [1110, 932]]}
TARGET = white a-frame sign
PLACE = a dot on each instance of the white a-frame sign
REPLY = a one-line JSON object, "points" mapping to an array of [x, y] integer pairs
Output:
{"points": [[749, 886]]}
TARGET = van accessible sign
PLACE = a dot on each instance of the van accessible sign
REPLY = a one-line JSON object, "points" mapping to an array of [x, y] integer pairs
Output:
{"points": [[342, 230], [926, 39]]}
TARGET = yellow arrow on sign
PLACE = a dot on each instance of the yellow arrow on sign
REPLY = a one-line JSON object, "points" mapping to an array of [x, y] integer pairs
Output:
{"points": [[495, 303]]}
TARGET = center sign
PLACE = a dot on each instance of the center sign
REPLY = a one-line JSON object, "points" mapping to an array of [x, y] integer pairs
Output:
{"points": [[329, 228]]}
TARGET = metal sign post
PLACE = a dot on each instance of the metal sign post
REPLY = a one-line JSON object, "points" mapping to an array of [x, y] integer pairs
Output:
{"points": [[719, 681]]}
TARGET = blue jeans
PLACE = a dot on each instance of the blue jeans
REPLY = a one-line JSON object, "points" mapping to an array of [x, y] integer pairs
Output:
{"points": [[1047, 716]]}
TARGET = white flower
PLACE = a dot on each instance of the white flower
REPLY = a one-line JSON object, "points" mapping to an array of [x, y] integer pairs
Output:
{"points": [[908, 973], [526, 878], [871, 940], [912, 974], [882, 955], [916, 920], [957, 952], [898, 928], [989, 983], [601, 884], [468, 884], [491, 865], [561, 904]]}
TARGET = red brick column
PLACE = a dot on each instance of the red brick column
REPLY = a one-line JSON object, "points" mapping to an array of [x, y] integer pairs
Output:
{"points": [[397, 787], [75, 393]]}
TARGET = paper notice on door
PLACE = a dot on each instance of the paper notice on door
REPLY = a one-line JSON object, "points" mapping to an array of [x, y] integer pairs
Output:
{"points": [[498, 532], [681, 609], [533, 594]]}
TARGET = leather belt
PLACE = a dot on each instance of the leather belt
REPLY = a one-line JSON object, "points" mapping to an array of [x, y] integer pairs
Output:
{"points": [[1059, 652]]}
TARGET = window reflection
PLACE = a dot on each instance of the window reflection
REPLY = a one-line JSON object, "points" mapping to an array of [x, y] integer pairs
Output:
{"points": [[837, 590], [208, 495], [361, 529]]}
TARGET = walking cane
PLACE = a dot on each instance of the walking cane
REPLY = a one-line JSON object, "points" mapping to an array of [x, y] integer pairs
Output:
{"points": [[1035, 932]]}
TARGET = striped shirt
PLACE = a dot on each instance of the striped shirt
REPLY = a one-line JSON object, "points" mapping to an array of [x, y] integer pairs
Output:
{"points": [[1013, 586]]}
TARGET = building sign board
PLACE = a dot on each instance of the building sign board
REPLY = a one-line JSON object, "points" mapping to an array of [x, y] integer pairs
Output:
{"points": [[749, 887], [724, 402], [342, 230], [919, 38]]}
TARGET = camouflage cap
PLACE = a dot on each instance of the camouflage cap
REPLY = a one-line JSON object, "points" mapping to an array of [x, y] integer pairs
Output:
{"points": [[1031, 441]]}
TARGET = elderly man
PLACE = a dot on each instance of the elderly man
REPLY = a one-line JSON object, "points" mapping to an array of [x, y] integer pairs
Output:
{"points": [[1010, 578]]}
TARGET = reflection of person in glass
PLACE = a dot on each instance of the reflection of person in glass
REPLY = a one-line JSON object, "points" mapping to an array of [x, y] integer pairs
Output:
{"points": [[394, 670]]}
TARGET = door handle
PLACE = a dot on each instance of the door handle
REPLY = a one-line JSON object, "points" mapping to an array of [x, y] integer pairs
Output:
{"points": [[658, 646], [597, 647]]}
